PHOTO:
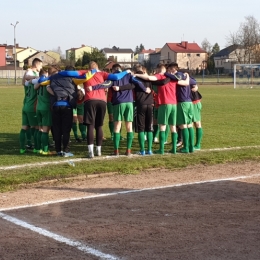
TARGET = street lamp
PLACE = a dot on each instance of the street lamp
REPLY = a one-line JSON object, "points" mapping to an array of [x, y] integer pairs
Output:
{"points": [[15, 79]]}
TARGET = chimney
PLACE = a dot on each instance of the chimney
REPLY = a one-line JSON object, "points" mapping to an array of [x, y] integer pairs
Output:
{"points": [[82, 45], [184, 44], [17, 45]]}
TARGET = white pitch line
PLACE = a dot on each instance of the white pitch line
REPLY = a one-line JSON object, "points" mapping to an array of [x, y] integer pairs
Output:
{"points": [[80, 246], [129, 192], [40, 164]]}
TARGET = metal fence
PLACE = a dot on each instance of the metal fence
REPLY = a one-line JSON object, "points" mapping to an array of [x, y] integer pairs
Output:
{"points": [[7, 77]]}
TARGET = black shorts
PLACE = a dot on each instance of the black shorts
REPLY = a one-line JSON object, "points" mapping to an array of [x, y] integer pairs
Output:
{"points": [[144, 118], [94, 112]]}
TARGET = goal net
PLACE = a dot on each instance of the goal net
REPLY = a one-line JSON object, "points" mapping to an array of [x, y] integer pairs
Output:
{"points": [[246, 75]]}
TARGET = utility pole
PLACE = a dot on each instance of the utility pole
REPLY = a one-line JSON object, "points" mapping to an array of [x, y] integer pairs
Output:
{"points": [[15, 78]]}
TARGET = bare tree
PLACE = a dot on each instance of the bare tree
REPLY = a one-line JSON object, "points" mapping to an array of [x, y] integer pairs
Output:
{"points": [[58, 50], [206, 46], [247, 40]]}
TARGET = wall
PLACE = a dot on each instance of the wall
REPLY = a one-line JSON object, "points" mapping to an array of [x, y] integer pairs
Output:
{"points": [[167, 55], [2, 56], [121, 57]]}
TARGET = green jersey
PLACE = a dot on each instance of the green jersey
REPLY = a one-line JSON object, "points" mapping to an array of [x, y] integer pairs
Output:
{"points": [[30, 97], [43, 99]]}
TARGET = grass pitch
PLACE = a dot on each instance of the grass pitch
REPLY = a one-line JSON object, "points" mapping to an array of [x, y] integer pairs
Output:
{"points": [[230, 118]]}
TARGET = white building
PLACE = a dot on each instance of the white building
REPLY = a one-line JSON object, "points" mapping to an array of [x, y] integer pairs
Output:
{"points": [[119, 55]]}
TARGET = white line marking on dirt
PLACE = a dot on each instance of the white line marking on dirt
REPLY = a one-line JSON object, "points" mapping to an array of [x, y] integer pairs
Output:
{"points": [[129, 191], [80, 246], [40, 164]]}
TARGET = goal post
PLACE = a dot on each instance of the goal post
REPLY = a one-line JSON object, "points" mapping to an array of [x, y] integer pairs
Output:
{"points": [[246, 75]]}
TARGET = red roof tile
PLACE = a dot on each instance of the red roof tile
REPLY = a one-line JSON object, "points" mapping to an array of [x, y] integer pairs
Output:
{"points": [[185, 47]]}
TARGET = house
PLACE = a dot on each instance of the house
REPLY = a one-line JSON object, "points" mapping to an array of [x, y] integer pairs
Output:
{"points": [[45, 58], [187, 55], [2, 55], [74, 54], [9, 53], [144, 55], [227, 57], [24, 54], [118, 55], [154, 58], [54, 55], [10, 50]]}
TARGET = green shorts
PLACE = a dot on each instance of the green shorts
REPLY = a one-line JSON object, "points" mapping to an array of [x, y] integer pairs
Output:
{"points": [[197, 112], [184, 113], [109, 108], [80, 109], [123, 112], [167, 115], [155, 112], [29, 118], [44, 117]]}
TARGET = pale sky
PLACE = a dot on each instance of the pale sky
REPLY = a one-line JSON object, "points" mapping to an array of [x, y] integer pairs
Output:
{"points": [[45, 25]]}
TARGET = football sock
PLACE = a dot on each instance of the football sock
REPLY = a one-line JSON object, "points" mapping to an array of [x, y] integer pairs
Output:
{"points": [[167, 131], [161, 141], [29, 136], [149, 141], [82, 129], [129, 139], [35, 137], [185, 137], [39, 139], [75, 130], [155, 131], [141, 140], [116, 140], [45, 141], [111, 127], [199, 134], [174, 142], [191, 139], [22, 139]]}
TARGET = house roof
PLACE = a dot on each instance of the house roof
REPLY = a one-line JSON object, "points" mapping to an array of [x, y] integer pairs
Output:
{"points": [[226, 51], [82, 46], [115, 49], [155, 53], [36, 53], [185, 47], [109, 65], [147, 51], [19, 52]]}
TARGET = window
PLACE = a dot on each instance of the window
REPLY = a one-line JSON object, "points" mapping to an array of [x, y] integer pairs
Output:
{"points": [[188, 54], [42, 57], [198, 55]]}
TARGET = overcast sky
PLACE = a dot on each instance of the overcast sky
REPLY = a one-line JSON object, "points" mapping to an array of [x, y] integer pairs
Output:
{"points": [[45, 25]]}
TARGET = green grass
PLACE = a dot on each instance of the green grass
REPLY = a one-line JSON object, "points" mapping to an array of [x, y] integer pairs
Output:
{"points": [[230, 118]]}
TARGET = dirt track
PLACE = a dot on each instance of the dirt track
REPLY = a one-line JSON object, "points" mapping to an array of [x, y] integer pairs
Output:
{"points": [[214, 220]]}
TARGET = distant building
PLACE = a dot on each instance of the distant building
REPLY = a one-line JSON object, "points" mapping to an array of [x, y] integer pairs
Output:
{"points": [[74, 54], [226, 58], [118, 55], [155, 58], [45, 58], [24, 54], [144, 55], [54, 55], [187, 55], [2, 55]]}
